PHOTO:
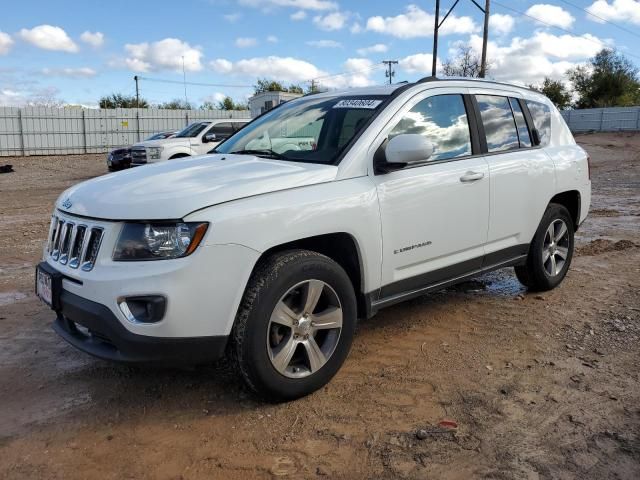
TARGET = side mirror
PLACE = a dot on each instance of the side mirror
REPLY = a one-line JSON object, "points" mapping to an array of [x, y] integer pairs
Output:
{"points": [[408, 148], [210, 137]]}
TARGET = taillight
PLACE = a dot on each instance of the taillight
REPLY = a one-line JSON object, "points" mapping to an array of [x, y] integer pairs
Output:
{"points": [[589, 166]]}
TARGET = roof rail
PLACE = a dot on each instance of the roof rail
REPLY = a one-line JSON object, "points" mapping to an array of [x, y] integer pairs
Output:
{"points": [[431, 78]]}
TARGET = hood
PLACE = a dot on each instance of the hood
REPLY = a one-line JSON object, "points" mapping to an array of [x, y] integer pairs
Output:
{"points": [[165, 142], [171, 190]]}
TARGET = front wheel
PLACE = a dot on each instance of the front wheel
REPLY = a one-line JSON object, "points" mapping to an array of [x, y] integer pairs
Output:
{"points": [[550, 252], [295, 324]]}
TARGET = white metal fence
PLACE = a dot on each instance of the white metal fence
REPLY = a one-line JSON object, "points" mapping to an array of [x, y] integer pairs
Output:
{"points": [[61, 131], [603, 119]]}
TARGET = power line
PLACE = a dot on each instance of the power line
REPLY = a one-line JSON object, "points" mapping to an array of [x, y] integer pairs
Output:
{"points": [[198, 84], [601, 44], [601, 19], [372, 67]]}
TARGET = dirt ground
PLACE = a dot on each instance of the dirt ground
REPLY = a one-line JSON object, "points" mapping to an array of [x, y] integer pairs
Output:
{"points": [[539, 385]]}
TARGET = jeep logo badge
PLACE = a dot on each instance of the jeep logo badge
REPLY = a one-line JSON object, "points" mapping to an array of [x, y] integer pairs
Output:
{"points": [[67, 204]]}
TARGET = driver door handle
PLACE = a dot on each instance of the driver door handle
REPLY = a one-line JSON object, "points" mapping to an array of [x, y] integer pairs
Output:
{"points": [[471, 177]]}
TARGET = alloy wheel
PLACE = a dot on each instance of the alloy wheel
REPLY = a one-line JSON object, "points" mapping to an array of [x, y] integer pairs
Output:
{"points": [[304, 329]]}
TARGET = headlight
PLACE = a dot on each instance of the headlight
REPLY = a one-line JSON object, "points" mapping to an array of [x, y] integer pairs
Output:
{"points": [[154, 152], [158, 241]]}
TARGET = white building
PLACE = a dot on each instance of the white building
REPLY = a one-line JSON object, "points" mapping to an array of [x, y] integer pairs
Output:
{"points": [[264, 101]]}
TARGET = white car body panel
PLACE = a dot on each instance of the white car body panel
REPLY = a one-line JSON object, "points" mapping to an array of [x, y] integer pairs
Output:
{"points": [[256, 204], [170, 190]]}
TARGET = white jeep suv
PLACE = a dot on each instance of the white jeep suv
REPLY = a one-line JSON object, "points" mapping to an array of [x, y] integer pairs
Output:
{"points": [[318, 213], [196, 139]]}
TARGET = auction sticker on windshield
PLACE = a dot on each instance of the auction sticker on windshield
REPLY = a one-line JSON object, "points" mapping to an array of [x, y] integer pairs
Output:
{"points": [[358, 103]]}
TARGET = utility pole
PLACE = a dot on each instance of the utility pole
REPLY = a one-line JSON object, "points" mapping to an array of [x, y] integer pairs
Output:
{"points": [[135, 77], [390, 73], [313, 86], [485, 34], [436, 26], [485, 37]]}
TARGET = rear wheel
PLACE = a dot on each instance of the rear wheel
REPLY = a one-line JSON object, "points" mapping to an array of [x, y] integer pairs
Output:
{"points": [[295, 325], [179, 155], [550, 252]]}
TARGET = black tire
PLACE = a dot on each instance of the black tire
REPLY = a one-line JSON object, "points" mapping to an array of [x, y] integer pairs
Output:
{"points": [[272, 279], [535, 273], [179, 155]]}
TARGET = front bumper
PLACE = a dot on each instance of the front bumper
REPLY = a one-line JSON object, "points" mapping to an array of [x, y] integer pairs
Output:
{"points": [[94, 329]]}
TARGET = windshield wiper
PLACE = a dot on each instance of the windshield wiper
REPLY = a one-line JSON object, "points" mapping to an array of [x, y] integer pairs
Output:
{"points": [[266, 152]]}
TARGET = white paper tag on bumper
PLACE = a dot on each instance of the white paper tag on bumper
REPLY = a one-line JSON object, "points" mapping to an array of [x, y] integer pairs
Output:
{"points": [[358, 103]]}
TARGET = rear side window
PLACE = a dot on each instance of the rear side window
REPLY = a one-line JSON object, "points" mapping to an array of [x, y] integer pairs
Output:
{"points": [[238, 125], [443, 120], [541, 115], [499, 124], [521, 124], [223, 130]]}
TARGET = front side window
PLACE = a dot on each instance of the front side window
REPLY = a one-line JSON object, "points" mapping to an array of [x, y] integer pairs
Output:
{"points": [[499, 124], [310, 129], [541, 115], [193, 130], [443, 120], [523, 131]]}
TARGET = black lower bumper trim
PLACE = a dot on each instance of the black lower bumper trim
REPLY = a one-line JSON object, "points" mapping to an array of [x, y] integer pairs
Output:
{"points": [[103, 336]]}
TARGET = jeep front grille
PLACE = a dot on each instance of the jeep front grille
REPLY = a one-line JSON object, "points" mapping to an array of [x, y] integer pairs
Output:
{"points": [[74, 243]]}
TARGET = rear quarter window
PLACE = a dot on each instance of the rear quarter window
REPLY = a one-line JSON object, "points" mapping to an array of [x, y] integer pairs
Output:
{"points": [[541, 114]]}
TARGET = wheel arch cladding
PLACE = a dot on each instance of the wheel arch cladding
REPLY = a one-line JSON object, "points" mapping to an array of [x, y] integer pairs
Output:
{"points": [[571, 201], [342, 248]]}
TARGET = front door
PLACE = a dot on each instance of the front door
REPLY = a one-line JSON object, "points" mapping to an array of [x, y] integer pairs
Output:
{"points": [[435, 215]]}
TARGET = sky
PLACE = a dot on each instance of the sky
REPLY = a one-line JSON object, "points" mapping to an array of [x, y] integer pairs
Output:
{"points": [[74, 52]]}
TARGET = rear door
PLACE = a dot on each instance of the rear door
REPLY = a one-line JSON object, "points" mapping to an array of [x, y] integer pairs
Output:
{"points": [[434, 215], [522, 175]]}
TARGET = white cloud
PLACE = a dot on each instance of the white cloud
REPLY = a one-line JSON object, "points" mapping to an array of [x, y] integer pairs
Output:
{"points": [[95, 39], [299, 15], [529, 60], [272, 39], [286, 69], [617, 10], [214, 97], [232, 17], [80, 72], [221, 65], [418, 23], [48, 37], [299, 4], [245, 42], [377, 48], [324, 44], [6, 43], [500, 24], [165, 54], [418, 63], [356, 28], [551, 15], [331, 21]]}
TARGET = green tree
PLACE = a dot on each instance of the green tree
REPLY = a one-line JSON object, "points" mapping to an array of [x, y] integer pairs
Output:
{"points": [[118, 100], [610, 80], [266, 85], [295, 89], [556, 91], [176, 104]]}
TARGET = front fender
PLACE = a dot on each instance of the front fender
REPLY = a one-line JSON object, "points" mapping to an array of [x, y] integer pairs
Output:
{"points": [[266, 221]]}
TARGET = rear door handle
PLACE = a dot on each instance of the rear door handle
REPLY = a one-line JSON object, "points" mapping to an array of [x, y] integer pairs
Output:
{"points": [[472, 177]]}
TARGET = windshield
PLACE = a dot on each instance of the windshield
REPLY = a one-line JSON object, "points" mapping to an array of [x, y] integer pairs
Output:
{"points": [[192, 130], [309, 129], [159, 136]]}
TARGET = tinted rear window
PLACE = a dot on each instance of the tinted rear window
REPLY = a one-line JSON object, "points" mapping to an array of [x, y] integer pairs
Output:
{"points": [[541, 115], [523, 131]]}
